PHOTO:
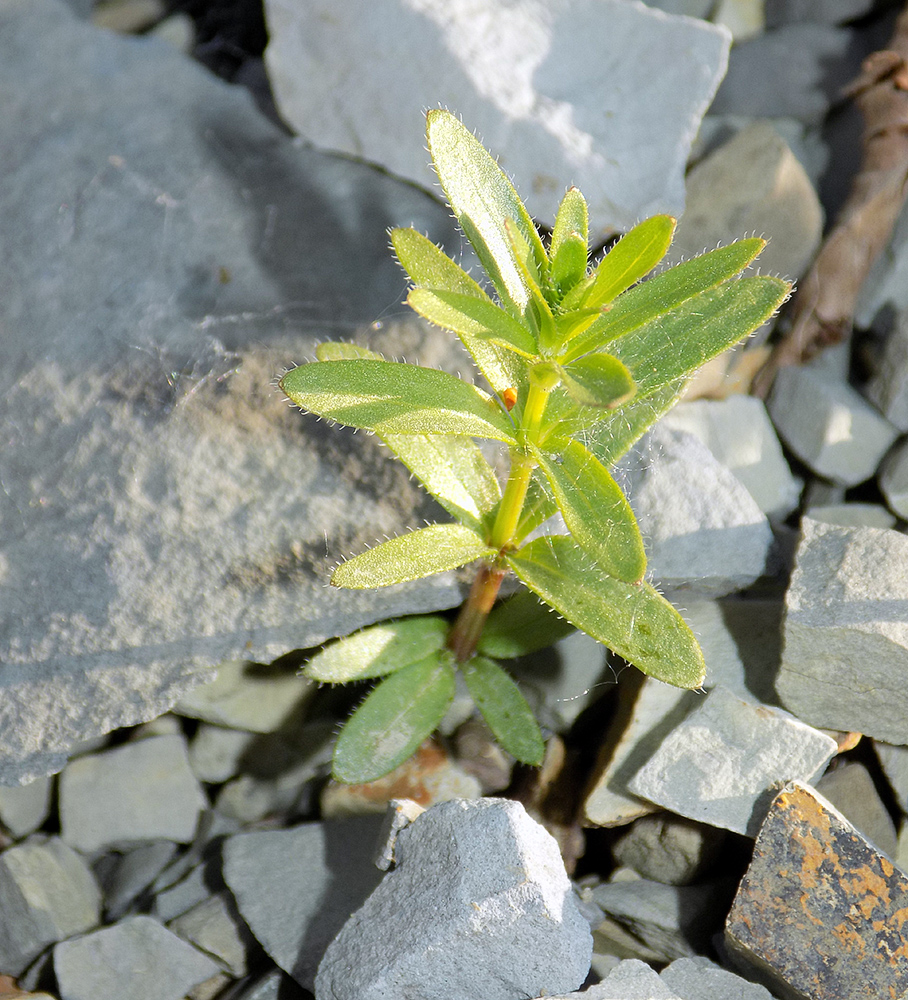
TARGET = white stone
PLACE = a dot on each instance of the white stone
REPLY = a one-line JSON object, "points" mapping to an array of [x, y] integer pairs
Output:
{"points": [[131, 794], [705, 536], [894, 479], [739, 433], [846, 631], [215, 752], [478, 904], [25, 807], [853, 515], [743, 18], [719, 765], [635, 980], [606, 95], [829, 425], [752, 185], [888, 388], [698, 978]]}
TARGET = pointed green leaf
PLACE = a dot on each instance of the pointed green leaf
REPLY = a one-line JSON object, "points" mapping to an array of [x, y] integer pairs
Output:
{"points": [[420, 553], [505, 709], [681, 341], [637, 623], [538, 311], [482, 198], [396, 716], [598, 380], [470, 317], [630, 259], [392, 398], [569, 264], [596, 512], [453, 470], [663, 293], [378, 650], [430, 267], [520, 625], [572, 221]]}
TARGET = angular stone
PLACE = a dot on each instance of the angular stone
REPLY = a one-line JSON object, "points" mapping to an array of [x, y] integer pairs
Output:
{"points": [[668, 849], [137, 792], [755, 625], [296, 887], [853, 515], [720, 764], [894, 479], [698, 978], [820, 913], [47, 893], [850, 789], [705, 534], [188, 892], [249, 696], [25, 807], [888, 388], [126, 876], [752, 184], [215, 927], [274, 985], [829, 425], [528, 78], [215, 752], [739, 433], [794, 72], [174, 252], [478, 904], [137, 958], [894, 761], [846, 631], [648, 711], [633, 980]]}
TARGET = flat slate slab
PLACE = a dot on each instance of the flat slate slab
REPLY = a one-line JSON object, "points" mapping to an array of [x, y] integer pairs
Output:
{"points": [[162, 508], [820, 913]]}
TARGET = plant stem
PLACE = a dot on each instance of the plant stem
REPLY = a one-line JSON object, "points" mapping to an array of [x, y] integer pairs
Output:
{"points": [[466, 631]]}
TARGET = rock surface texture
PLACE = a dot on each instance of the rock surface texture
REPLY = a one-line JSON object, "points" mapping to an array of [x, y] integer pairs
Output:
{"points": [[478, 904]]}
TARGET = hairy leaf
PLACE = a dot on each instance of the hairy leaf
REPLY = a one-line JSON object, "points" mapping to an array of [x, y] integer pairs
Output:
{"points": [[630, 259], [473, 318], [569, 264], [505, 709], [424, 552], [596, 512], [520, 625], [572, 221], [396, 716], [598, 380], [453, 470], [482, 199], [681, 341], [635, 622], [339, 350], [378, 650], [392, 398], [664, 293]]}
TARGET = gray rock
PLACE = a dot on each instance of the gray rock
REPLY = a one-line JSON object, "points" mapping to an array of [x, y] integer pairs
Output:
{"points": [[215, 927], [755, 626], [274, 985], [846, 631], [25, 807], [739, 433], [531, 81], [851, 790], [249, 696], [698, 978], [138, 792], [127, 875], [782, 12], [888, 388], [705, 534], [478, 904], [295, 888], [894, 479], [174, 251], [47, 893], [630, 979], [720, 764], [818, 912], [667, 848], [797, 72], [215, 752], [853, 515], [752, 184], [829, 425], [137, 958], [894, 761], [194, 888], [670, 921]]}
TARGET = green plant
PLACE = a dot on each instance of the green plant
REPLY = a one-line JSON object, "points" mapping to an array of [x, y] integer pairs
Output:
{"points": [[581, 362]]}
